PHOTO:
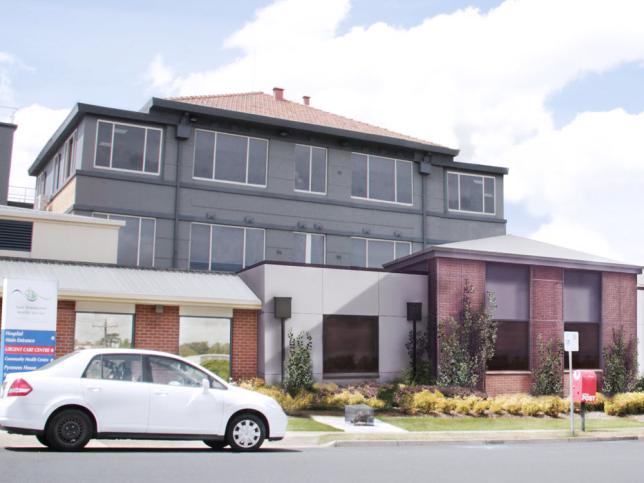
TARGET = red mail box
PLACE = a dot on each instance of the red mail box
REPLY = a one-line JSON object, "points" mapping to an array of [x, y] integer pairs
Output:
{"points": [[584, 386]]}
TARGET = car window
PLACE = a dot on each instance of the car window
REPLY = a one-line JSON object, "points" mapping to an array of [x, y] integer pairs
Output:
{"points": [[115, 367], [173, 372]]}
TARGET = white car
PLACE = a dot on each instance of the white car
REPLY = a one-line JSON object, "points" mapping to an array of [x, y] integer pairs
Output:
{"points": [[135, 394]]}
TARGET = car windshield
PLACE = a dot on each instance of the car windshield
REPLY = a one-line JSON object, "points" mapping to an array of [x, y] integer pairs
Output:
{"points": [[55, 362]]}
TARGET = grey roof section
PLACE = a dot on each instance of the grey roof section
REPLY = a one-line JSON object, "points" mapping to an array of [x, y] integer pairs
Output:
{"points": [[81, 281], [511, 248], [31, 214]]}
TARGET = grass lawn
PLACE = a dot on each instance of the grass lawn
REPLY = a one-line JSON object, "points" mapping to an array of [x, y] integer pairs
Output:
{"points": [[307, 424], [429, 423]]}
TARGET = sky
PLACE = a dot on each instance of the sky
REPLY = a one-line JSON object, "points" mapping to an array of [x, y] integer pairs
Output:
{"points": [[552, 89]]}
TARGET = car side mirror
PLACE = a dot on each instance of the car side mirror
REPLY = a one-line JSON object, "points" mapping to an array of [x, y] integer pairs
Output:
{"points": [[205, 384]]}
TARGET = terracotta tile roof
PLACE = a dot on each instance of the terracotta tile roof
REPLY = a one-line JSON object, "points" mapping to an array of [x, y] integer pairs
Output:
{"points": [[262, 104]]}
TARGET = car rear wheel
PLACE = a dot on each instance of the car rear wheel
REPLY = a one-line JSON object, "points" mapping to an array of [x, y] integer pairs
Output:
{"points": [[215, 444], [69, 430], [42, 439], [246, 432]]}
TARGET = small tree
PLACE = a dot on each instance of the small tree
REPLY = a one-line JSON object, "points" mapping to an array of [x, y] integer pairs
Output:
{"points": [[299, 368], [423, 361], [547, 375], [467, 345], [620, 365]]}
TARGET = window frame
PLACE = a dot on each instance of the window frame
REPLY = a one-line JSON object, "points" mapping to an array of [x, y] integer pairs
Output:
{"points": [[395, 181], [458, 191], [326, 170], [214, 159], [210, 227], [230, 338], [145, 143], [138, 245], [393, 242], [307, 246], [132, 317]]}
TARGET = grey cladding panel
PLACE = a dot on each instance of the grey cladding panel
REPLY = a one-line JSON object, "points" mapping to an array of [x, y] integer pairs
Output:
{"points": [[510, 285], [582, 296]]}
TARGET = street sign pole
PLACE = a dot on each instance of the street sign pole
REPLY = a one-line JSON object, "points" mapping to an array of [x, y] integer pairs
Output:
{"points": [[572, 404]]}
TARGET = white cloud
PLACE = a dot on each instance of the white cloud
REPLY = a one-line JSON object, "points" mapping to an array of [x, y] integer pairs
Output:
{"points": [[159, 76], [36, 124]]}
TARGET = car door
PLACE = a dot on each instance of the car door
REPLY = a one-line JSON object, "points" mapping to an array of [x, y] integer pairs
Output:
{"points": [[178, 402], [114, 388]]}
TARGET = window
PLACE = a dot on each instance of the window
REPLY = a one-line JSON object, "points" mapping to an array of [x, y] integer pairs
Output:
{"points": [[206, 341], [127, 147], [230, 158], [350, 345], [225, 248], [510, 285], [382, 179], [136, 240], [103, 330], [471, 193], [115, 367], [70, 156], [57, 172], [309, 248], [310, 169], [371, 253], [173, 372], [582, 314]]}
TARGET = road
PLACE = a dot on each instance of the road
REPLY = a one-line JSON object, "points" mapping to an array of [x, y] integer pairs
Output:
{"points": [[541, 462]]}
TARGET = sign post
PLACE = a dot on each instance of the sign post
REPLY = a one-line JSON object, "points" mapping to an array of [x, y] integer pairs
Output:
{"points": [[28, 325], [571, 344]]}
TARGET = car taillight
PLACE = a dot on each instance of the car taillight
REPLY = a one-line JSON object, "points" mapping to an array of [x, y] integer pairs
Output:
{"points": [[19, 387]]}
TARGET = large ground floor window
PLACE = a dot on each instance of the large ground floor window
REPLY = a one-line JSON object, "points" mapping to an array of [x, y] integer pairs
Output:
{"points": [[206, 341], [588, 355], [95, 330], [350, 345], [512, 347]]}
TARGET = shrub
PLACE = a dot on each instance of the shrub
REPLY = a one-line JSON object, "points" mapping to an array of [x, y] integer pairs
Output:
{"points": [[625, 403], [547, 376], [639, 384], [299, 368], [467, 345], [620, 364]]}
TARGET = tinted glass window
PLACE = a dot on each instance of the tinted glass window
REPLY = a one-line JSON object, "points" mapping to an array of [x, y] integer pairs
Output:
{"points": [[318, 170], [128, 246], [510, 285], [317, 249], [257, 156], [358, 252], [489, 194], [471, 193], [302, 165], [173, 372], [230, 161], [128, 147], [199, 247], [403, 182], [380, 252], [403, 249], [94, 369], [206, 341], [582, 296], [152, 150], [122, 367], [146, 250], [204, 154], [104, 144], [299, 247], [588, 355], [227, 249], [511, 352], [254, 246], [359, 175], [350, 344], [94, 330], [381, 178]]}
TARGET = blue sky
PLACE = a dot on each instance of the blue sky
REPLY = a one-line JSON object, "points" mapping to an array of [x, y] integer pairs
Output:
{"points": [[528, 84]]}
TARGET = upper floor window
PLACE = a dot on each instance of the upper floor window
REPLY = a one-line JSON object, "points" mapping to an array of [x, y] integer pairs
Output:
{"points": [[225, 248], [309, 248], [371, 253], [136, 240], [230, 158], [310, 169], [471, 193], [127, 147], [382, 179]]}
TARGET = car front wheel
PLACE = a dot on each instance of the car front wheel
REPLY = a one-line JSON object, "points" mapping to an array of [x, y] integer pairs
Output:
{"points": [[246, 432], [42, 439], [69, 430]]}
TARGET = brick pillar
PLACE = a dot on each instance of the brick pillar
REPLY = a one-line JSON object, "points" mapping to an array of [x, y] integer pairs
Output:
{"points": [[244, 344], [546, 308], [157, 331], [65, 327], [619, 307]]}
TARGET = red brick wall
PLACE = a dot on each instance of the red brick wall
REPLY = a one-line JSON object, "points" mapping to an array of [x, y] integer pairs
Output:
{"points": [[65, 327], [156, 331], [507, 383], [619, 306], [451, 278], [244, 347]]}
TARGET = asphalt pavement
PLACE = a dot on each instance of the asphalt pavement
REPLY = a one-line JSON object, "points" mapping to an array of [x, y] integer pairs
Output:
{"points": [[619, 461]]}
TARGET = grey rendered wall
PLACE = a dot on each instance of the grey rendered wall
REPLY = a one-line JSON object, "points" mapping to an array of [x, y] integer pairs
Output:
{"points": [[317, 292], [277, 208], [6, 147]]}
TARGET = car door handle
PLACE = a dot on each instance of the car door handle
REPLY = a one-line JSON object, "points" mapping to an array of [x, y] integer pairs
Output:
{"points": [[94, 389]]}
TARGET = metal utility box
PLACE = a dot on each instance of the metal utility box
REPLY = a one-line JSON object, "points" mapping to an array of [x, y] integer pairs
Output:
{"points": [[358, 414], [584, 386]]}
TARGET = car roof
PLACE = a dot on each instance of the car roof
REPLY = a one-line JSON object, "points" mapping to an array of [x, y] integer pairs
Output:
{"points": [[126, 351]]}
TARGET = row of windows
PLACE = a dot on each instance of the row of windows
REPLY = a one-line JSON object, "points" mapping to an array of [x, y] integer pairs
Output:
{"points": [[231, 158], [63, 167], [203, 340]]}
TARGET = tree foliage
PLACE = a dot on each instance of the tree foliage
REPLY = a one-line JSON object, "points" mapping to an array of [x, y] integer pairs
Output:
{"points": [[620, 364], [298, 368], [548, 373], [466, 345]]}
